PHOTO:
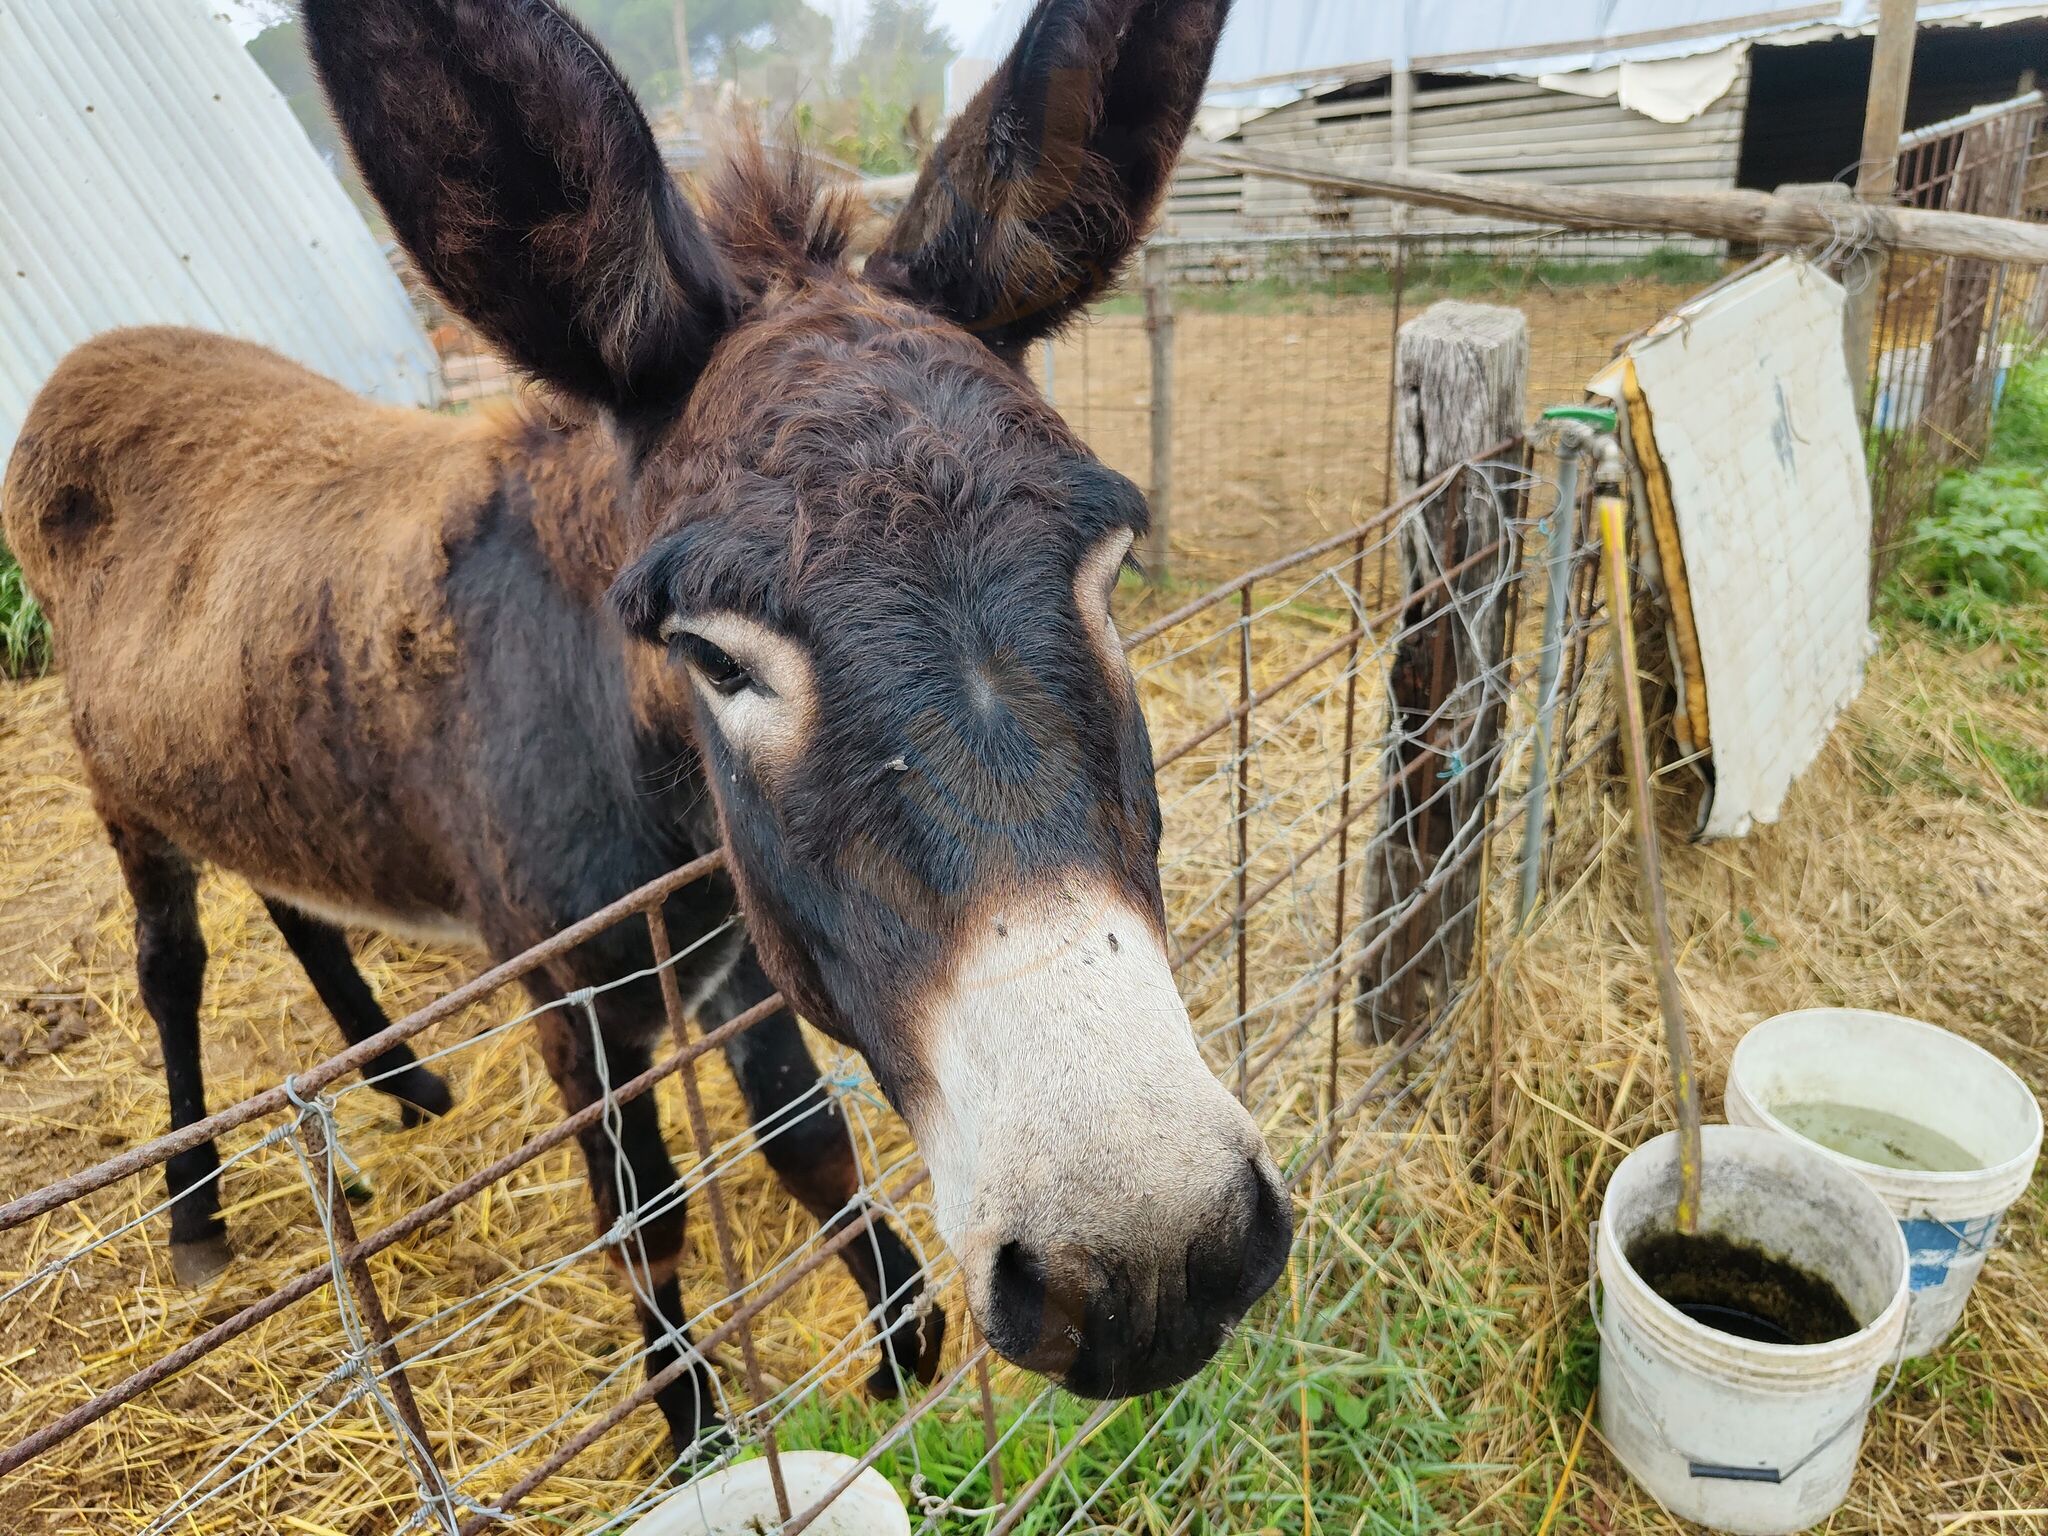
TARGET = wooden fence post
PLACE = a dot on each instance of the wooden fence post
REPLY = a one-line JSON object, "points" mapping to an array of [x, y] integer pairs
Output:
{"points": [[1884, 119], [1155, 556], [1461, 381]]}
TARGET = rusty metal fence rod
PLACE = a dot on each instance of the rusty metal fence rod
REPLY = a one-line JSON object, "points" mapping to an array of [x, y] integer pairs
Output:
{"points": [[314, 1279], [940, 1389], [1498, 753], [1237, 713], [315, 1078], [1229, 589], [1339, 975], [645, 1393]]}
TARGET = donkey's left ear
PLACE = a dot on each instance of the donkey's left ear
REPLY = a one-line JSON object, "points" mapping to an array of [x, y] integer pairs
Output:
{"points": [[1051, 177], [517, 169]]}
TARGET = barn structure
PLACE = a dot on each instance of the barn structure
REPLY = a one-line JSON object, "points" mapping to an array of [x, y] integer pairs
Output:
{"points": [[1659, 95], [151, 173]]}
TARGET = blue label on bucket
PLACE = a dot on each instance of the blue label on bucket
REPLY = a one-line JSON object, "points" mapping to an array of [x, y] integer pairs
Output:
{"points": [[1932, 1246]]}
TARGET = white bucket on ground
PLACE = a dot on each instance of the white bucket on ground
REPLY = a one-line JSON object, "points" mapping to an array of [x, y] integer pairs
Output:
{"points": [[740, 1500], [1742, 1436], [1936, 1080]]}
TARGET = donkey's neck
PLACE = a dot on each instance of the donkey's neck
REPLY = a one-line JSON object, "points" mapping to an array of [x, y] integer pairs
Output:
{"points": [[571, 481]]}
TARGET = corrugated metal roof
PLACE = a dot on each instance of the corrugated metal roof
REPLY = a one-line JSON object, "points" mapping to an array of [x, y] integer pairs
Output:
{"points": [[1272, 50], [150, 172]]}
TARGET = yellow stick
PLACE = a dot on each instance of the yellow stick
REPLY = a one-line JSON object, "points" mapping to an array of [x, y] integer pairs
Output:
{"points": [[1612, 510]]}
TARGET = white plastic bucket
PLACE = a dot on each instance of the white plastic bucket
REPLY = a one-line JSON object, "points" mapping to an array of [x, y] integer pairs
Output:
{"points": [[740, 1500], [1738, 1435], [1920, 1073]]}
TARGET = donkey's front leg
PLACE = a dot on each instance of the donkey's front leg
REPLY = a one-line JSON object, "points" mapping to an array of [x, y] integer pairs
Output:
{"points": [[630, 1171], [807, 1143]]}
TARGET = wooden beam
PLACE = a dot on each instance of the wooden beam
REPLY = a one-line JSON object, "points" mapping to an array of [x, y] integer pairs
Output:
{"points": [[1157, 555], [679, 24], [1755, 217]]}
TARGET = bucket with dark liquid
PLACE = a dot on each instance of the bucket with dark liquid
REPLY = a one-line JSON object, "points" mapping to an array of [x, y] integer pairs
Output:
{"points": [[1738, 1364]]}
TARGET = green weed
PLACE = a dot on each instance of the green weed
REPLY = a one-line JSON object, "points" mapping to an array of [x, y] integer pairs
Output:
{"points": [[2022, 768], [24, 630], [1976, 565], [1340, 1405]]}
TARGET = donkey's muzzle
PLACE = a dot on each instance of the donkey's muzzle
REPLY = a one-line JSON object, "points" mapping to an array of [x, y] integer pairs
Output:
{"points": [[1108, 1324]]}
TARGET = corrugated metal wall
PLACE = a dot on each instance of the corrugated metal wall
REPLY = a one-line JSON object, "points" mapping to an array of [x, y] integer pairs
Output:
{"points": [[150, 172]]}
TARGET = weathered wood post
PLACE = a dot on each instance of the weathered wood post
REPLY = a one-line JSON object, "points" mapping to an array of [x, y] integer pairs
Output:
{"points": [[1461, 380], [1884, 119], [1155, 555]]}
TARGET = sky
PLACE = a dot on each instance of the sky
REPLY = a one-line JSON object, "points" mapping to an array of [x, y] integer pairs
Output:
{"points": [[963, 18]]}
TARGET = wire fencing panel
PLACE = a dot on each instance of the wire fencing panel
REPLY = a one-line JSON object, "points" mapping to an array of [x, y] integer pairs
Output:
{"points": [[1282, 360], [385, 1375], [1949, 329]]}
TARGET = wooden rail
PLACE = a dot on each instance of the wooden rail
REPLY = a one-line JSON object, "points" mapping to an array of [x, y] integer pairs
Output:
{"points": [[1761, 218]]}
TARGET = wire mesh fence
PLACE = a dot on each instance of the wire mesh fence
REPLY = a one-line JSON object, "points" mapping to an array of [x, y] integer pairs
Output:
{"points": [[1950, 329], [1280, 369], [428, 1341]]}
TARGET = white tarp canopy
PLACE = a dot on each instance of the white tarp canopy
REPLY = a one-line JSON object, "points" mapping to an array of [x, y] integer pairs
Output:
{"points": [[1277, 50]]}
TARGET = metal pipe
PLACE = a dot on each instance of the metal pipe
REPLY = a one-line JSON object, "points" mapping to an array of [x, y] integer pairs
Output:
{"points": [[1559, 535]]}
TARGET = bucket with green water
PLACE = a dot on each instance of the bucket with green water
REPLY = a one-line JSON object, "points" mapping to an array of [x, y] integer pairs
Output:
{"points": [[1943, 1130]]}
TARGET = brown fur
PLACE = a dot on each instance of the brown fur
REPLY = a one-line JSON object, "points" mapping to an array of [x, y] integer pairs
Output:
{"points": [[290, 544]]}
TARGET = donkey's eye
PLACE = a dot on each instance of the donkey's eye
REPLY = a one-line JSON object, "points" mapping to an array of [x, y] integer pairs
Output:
{"points": [[725, 675]]}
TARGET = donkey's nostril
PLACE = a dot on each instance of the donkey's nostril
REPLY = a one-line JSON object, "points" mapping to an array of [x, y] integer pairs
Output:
{"points": [[1267, 1236], [1233, 1262], [1020, 1323]]}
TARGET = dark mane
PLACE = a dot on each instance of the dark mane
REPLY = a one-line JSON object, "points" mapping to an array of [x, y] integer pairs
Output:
{"points": [[775, 217]]}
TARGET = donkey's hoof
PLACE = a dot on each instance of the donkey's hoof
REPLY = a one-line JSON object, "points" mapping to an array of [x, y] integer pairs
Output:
{"points": [[196, 1262], [421, 1094]]}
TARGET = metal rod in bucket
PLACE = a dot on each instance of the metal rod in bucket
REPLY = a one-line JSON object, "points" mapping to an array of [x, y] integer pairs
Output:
{"points": [[1610, 508]]}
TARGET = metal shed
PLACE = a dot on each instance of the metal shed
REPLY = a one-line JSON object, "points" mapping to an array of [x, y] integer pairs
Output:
{"points": [[150, 172], [1659, 95]]}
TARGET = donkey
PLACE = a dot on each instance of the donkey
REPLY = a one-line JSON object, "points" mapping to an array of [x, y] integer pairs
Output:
{"points": [[793, 560]]}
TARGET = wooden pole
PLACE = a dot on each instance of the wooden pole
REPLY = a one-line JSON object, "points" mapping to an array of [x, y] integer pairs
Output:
{"points": [[1610, 506], [1401, 125], [1755, 218], [1884, 119], [1156, 555], [1462, 374]]}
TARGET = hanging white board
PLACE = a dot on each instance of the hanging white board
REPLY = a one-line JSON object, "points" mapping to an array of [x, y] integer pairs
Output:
{"points": [[1754, 419]]}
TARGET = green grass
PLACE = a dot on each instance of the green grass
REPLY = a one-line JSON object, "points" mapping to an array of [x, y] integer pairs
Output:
{"points": [[2021, 767], [1458, 275], [1975, 568], [24, 631], [1347, 1360]]}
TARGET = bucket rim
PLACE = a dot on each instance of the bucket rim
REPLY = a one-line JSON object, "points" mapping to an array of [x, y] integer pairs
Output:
{"points": [[1754, 1362], [1990, 1173]]}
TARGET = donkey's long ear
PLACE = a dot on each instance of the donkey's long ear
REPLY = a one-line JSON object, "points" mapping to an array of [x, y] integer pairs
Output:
{"points": [[1051, 177], [517, 169]]}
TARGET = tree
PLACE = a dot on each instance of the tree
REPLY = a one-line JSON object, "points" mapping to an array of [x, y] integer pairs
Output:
{"points": [[901, 59]]}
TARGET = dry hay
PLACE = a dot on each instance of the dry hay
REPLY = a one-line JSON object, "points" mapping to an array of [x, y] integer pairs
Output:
{"points": [[1900, 877], [1905, 876]]}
